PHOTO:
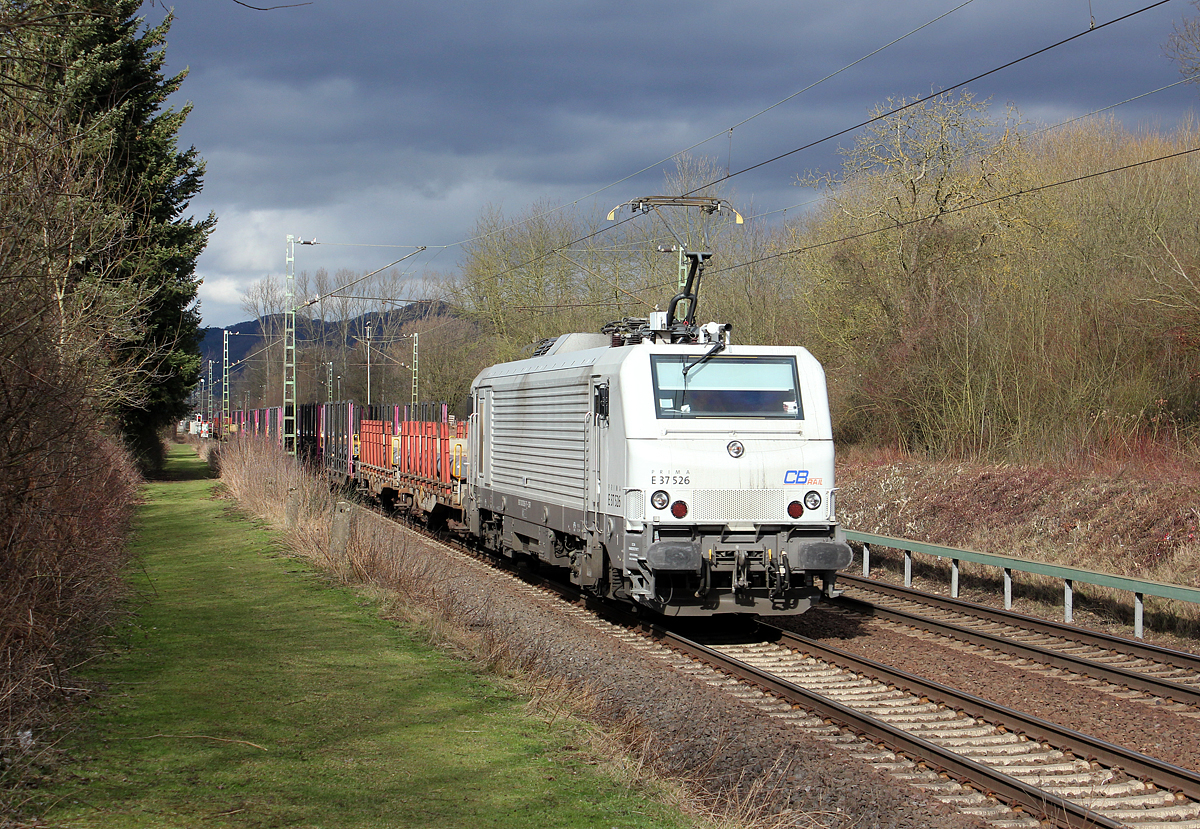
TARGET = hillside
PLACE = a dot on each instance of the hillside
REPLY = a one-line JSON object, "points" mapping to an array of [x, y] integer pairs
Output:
{"points": [[1138, 519]]}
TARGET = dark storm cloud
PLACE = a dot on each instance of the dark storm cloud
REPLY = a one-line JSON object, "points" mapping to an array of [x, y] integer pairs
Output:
{"points": [[399, 122]]}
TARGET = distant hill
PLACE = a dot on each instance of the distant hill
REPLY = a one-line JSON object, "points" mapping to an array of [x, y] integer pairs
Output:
{"points": [[248, 337], [213, 345]]}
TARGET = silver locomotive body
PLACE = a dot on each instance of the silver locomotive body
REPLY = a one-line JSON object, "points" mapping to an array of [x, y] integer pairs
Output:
{"points": [[689, 478]]}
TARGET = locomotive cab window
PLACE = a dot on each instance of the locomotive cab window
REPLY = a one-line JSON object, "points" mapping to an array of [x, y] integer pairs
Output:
{"points": [[758, 387]]}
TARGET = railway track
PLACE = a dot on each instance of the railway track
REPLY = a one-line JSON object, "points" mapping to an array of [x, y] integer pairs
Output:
{"points": [[1077, 779], [985, 759], [1007, 768], [1158, 672]]}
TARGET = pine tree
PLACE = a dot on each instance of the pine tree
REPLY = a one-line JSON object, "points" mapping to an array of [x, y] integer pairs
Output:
{"points": [[112, 79]]}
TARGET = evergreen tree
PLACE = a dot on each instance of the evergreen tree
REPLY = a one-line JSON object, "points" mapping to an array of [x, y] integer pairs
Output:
{"points": [[112, 79]]}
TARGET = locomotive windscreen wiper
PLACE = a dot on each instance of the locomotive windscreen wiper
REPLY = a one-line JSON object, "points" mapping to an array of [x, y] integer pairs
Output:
{"points": [[717, 346]]}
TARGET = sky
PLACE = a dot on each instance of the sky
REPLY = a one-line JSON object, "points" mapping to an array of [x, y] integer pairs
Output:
{"points": [[377, 127]]}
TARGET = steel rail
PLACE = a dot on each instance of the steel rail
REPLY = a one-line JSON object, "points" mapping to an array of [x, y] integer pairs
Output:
{"points": [[1155, 653], [1064, 813], [1075, 664], [1165, 775]]}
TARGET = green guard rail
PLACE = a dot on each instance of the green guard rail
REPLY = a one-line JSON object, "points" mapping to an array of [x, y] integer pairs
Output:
{"points": [[1070, 575]]}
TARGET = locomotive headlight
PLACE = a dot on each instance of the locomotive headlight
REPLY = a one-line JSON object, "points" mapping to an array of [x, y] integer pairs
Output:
{"points": [[812, 499], [660, 499], [735, 449]]}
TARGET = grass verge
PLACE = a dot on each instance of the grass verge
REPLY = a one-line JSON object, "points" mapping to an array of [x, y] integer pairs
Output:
{"points": [[252, 692]]}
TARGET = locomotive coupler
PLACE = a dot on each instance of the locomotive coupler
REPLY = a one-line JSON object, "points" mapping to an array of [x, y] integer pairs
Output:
{"points": [[741, 577]]}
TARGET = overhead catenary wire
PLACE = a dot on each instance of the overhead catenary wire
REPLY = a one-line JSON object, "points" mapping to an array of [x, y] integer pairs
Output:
{"points": [[604, 279], [908, 222], [564, 305], [534, 259], [390, 300], [1033, 134], [247, 358], [926, 98], [336, 291]]}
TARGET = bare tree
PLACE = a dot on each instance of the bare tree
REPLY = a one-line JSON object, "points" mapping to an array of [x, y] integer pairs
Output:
{"points": [[265, 301], [1183, 46]]}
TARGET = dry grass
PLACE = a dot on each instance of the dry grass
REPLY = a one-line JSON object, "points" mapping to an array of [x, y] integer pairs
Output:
{"points": [[1123, 516]]}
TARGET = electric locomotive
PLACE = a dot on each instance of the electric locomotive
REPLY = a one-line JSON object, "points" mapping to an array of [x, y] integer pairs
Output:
{"points": [[678, 471]]}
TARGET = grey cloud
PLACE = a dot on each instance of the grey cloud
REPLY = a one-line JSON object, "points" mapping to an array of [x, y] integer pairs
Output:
{"points": [[386, 119]]}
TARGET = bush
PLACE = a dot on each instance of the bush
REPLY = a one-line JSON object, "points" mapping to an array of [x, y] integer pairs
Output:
{"points": [[60, 576]]}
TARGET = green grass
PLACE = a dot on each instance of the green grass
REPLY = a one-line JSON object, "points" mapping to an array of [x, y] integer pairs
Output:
{"points": [[252, 693]]}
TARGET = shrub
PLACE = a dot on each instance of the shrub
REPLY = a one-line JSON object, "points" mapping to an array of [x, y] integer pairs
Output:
{"points": [[63, 549]]}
